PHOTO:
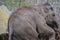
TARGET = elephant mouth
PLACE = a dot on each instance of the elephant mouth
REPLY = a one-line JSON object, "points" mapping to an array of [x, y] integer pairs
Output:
{"points": [[53, 25]]}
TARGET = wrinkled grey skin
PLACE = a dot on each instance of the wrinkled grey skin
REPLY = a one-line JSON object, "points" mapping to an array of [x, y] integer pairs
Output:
{"points": [[25, 21], [48, 13]]}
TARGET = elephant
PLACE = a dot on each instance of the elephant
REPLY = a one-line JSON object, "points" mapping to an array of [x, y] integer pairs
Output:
{"points": [[28, 22]]}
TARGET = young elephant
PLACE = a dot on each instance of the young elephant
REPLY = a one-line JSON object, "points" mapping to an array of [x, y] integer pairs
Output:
{"points": [[26, 23]]}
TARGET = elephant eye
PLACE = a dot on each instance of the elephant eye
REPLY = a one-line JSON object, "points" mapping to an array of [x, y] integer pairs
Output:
{"points": [[53, 14]]}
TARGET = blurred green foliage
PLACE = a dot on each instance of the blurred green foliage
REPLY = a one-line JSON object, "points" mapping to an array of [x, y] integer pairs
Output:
{"points": [[12, 4]]}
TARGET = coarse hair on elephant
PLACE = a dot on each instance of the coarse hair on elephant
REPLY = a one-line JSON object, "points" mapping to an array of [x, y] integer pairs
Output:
{"points": [[27, 23]]}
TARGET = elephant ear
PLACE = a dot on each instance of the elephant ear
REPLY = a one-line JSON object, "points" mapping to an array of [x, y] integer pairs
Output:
{"points": [[46, 10], [47, 7]]}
